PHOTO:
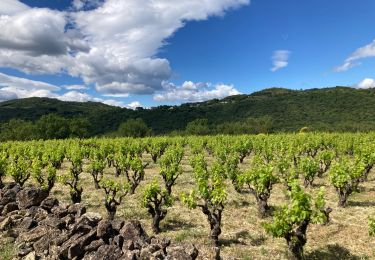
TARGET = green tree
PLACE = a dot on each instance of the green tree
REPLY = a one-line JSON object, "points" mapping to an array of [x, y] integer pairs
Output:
{"points": [[134, 128], [52, 126], [198, 127]]}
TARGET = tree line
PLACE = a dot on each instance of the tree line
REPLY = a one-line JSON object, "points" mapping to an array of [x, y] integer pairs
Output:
{"points": [[53, 126]]}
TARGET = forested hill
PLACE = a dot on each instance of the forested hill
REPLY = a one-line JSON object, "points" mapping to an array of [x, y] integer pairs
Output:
{"points": [[329, 109]]}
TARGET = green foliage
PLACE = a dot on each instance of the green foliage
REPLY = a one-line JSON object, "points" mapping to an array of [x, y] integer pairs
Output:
{"points": [[198, 127], [154, 192], [45, 176], [156, 200], [371, 223], [170, 167], [210, 183], [19, 169], [291, 220], [3, 166], [114, 194], [309, 168], [134, 128], [345, 176]]}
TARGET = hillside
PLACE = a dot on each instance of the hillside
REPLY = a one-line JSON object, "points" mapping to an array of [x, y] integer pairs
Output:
{"points": [[329, 109]]}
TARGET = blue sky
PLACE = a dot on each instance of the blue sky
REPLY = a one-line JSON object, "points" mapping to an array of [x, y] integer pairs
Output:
{"points": [[131, 53]]}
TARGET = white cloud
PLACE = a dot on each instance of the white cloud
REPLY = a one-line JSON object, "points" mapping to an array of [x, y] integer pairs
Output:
{"points": [[9, 7], [75, 87], [113, 46], [354, 59], [15, 87], [6, 95], [280, 59], [134, 105], [194, 92], [366, 83], [16, 82]]}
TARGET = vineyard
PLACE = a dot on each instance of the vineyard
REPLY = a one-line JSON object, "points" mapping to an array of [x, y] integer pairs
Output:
{"points": [[239, 197]]}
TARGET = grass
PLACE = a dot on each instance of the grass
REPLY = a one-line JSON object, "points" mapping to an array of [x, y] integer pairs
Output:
{"points": [[243, 237]]}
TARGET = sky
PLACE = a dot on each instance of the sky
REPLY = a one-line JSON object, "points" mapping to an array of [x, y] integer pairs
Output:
{"points": [[147, 53]]}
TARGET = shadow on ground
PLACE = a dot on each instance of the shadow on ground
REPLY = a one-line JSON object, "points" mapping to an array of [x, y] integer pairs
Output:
{"points": [[331, 252]]}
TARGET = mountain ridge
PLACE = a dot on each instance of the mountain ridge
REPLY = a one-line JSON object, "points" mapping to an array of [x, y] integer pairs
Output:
{"points": [[323, 109]]}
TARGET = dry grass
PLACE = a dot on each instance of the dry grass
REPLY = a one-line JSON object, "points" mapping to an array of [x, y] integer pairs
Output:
{"points": [[243, 237]]}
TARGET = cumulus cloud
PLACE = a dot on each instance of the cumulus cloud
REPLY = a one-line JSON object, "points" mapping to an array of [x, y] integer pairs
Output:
{"points": [[112, 44], [9, 7], [194, 92], [15, 87], [366, 83], [134, 105], [354, 59], [280, 59]]}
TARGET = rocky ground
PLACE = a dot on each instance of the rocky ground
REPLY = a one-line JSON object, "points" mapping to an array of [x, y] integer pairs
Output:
{"points": [[40, 228]]}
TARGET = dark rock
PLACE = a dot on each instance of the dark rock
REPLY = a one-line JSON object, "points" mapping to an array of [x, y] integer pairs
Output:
{"points": [[37, 213], [90, 218], [178, 252], [27, 223], [60, 239], [53, 222], [64, 249], [118, 224], [5, 224], [29, 197], [118, 241], [77, 209], [108, 252], [131, 255], [34, 234], [24, 251], [59, 212], [93, 246], [12, 206], [49, 203], [43, 243], [145, 253], [76, 248], [127, 245], [9, 193], [104, 230], [133, 231]]}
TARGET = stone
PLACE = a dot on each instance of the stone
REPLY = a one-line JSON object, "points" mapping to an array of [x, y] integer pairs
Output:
{"points": [[130, 255], [77, 209], [49, 203], [29, 197], [108, 252], [178, 252], [118, 241], [53, 222], [27, 223], [91, 218], [37, 213], [127, 245], [117, 224], [104, 230], [93, 246], [133, 231], [59, 212], [64, 249], [5, 224], [76, 249], [43, 243], [34, 234], [9, 193], [12, 206]]}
